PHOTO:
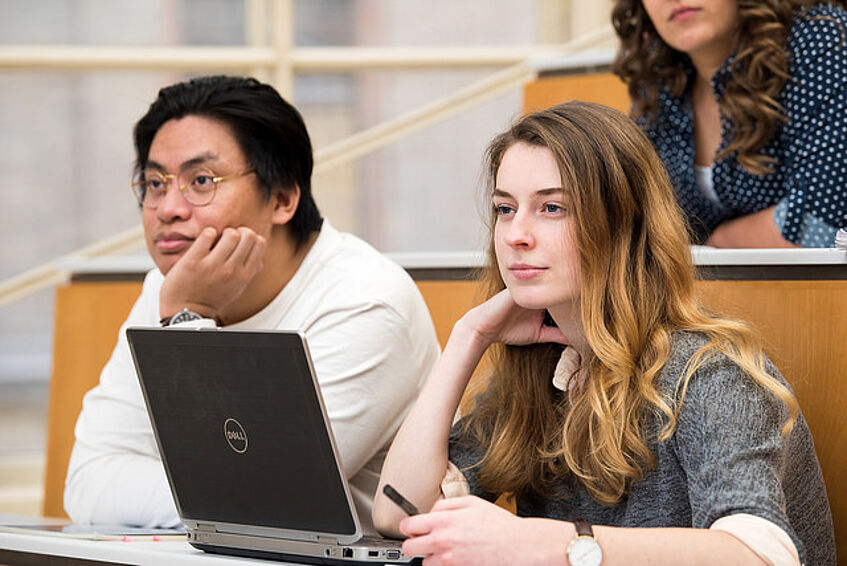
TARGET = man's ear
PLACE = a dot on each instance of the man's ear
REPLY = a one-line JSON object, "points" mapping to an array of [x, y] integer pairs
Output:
{"points": [[285, 203]]}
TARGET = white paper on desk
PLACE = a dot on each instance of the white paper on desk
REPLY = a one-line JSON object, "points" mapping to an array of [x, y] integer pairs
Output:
{"points": [[89, 532], [841, 239]]}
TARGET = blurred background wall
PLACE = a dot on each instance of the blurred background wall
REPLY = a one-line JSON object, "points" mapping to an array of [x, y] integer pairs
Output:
{"points": [[66, 151]]}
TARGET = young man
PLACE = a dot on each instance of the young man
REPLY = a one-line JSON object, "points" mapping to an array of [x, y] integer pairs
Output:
{"points": [[223, 167]]}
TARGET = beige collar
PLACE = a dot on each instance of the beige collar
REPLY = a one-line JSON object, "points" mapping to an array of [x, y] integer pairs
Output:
{"points": [[569, 374]]}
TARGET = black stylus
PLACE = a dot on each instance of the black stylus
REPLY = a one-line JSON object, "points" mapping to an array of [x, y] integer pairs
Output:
{"points": [[401, 501]]}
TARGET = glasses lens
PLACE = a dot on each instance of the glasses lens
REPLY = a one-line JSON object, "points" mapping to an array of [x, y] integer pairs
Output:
{"points": [[198, 186], [138, 192], [152, 189]]}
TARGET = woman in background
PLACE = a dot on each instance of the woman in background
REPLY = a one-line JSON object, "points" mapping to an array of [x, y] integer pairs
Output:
{"points": [[615, 399], [746, 103]]}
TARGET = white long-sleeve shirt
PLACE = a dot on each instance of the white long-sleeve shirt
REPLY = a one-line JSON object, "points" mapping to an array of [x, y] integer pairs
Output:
{"points": [[372, 343]]}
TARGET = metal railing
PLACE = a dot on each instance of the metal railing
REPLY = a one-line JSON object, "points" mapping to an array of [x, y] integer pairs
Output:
{"points": [[281, 60]]}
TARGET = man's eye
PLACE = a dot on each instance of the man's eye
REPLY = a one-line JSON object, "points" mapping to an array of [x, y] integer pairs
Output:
{"points": [[203, 181], [154, 184]]}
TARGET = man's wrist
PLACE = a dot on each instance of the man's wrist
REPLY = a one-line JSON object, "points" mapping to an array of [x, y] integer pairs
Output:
{"points": [[187, 314]]}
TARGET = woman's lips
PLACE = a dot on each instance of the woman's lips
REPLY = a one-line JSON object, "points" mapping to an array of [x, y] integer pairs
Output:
{"points": [[683, 13], [524, 272]]}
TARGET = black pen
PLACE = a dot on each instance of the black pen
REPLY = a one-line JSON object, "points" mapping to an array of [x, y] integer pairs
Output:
{"points": [[401, 501]]}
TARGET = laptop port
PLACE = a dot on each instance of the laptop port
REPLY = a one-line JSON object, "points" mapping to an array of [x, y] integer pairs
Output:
{"points": [[373, 553], [392, 554], [347, 552]]}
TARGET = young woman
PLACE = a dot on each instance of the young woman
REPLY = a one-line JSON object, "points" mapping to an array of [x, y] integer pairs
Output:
{"points": [[746, 104], [615, 399]]}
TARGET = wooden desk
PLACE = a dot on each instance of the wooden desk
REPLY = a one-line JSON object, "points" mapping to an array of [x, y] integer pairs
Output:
{"points": [[585, 77], [797, 299], [600, 87]]}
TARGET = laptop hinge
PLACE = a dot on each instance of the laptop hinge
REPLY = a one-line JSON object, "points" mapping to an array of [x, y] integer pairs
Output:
{"points": [[206, 527]]}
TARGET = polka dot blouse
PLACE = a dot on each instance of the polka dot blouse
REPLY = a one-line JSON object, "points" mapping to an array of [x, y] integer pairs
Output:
{"points": [[809, 184]]}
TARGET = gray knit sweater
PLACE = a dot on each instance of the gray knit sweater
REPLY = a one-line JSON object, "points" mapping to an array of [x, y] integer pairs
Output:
{"points": [[726, 456]]}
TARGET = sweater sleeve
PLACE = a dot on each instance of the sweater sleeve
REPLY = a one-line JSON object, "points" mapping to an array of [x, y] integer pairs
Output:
{"points": [[464, 453], [729, 443], [115, 475]]}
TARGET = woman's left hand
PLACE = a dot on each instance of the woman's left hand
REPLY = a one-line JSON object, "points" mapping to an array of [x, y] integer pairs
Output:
{"points": [[470, 530]]}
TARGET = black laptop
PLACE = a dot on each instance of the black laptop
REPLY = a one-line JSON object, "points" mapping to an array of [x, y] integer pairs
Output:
{"points": [[247, 446]]}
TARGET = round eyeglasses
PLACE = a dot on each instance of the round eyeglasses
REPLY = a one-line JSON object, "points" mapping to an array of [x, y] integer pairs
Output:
{"points": [[198, 186]]}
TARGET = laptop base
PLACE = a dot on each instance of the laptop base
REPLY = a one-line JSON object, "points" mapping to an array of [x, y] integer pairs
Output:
{"points": [[295, 558]]}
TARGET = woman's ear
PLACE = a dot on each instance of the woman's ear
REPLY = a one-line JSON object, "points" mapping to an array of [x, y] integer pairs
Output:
{"points": [[285, 203]]}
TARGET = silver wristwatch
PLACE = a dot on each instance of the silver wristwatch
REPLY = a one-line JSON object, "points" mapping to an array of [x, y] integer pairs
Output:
{"points": [[184, 315]]}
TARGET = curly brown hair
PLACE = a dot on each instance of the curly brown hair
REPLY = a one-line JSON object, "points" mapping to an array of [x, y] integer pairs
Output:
{"points": [[759, 71]]}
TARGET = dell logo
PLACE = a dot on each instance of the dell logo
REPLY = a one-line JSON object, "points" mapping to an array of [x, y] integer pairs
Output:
{"points": [[235, 435]]}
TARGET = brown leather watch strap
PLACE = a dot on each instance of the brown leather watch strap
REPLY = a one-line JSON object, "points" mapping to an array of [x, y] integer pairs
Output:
{"points": [[583, 528]]}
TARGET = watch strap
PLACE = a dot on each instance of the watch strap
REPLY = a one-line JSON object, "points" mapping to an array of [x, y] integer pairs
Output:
{"points": [[583, 528], [185, 315]]}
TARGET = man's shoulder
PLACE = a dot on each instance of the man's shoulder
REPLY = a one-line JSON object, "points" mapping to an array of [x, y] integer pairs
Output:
{"points": [[345, 272], [359, 266]]}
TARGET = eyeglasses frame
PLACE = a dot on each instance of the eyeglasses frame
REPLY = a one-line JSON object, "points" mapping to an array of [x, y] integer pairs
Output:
{"points": [[138, 186]]}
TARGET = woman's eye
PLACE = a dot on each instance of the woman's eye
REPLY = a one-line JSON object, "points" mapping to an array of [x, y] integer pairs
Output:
{"points": [[502, 209], [153, 184], [553, 208]]}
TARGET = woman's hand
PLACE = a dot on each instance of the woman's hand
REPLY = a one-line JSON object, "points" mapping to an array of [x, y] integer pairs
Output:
{"points": [[470, 531], [500, 319], [417, 460]]}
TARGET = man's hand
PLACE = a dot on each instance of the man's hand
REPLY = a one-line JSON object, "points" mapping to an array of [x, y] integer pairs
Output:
{"points": [[211, 275]]}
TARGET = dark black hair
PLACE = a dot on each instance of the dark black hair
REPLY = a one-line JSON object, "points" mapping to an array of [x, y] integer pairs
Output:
{"points": [[269, 131]]}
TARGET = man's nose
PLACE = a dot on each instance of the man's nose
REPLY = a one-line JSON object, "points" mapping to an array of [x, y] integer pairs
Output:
{"points": [[173, 204]]}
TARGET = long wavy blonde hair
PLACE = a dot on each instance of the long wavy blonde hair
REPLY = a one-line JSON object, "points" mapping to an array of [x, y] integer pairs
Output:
{"points": [[759, 71], [638, 288]]}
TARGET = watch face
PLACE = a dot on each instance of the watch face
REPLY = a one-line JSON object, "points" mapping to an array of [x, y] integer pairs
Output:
{"points": [[584, 551], [185, 316]]}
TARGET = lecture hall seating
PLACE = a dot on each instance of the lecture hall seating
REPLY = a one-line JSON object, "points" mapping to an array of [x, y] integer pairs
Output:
{"points": [[803, 321]]}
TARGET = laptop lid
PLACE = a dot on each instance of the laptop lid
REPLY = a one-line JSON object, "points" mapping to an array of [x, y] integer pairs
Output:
{"points": [[243, 433]]}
